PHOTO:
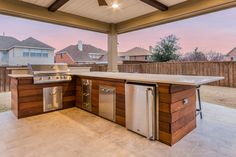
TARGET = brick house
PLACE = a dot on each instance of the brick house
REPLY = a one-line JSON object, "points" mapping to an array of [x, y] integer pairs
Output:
{"points": [[81, 54], [135, 54]]}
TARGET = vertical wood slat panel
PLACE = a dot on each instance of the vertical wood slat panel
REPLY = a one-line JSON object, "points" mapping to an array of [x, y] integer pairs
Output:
{"points": [[4, 79]]}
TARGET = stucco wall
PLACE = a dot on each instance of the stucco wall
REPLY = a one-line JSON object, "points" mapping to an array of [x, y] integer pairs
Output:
{"points": [[16, 57]]}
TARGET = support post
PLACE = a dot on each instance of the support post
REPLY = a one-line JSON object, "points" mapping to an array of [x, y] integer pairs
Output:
{"points": [[112, 49]]}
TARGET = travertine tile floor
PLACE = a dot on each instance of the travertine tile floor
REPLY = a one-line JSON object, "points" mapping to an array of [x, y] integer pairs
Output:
{"points": [[5, 101], [76, 133]]}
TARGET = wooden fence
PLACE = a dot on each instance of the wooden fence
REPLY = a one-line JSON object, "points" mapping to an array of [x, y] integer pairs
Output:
{"points": [[225, 69], [4, 79]]}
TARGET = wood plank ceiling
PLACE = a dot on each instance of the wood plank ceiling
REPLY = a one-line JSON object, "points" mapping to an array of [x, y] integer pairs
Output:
{"points": [[128, 9]]}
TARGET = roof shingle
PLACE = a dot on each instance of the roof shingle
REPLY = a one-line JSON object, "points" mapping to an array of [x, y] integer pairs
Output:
{"points": [[136, 51], [31, 42], [83, 56], [7, 42]]}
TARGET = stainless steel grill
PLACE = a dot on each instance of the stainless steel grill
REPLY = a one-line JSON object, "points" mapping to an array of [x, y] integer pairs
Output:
{"points": [[49, 73]]}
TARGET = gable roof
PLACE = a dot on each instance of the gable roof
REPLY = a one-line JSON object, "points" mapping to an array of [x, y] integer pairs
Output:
{"points": [[136, 51], [232, 52], [83, 55], [31, 42], [7, 42]]}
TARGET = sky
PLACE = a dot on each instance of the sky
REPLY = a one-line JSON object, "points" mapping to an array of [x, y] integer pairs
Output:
{"points": [[210, 32]]}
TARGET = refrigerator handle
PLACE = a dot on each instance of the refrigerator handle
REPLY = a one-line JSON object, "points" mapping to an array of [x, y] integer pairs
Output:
{"points": [[150, 105], [147, 112], [153, 109]]}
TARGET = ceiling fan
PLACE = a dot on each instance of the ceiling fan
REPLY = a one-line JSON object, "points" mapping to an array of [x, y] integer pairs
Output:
{"points": [[102, 3]]}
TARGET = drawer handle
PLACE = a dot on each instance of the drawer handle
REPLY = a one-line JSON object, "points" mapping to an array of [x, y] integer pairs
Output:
{"points": [[53, 93]]}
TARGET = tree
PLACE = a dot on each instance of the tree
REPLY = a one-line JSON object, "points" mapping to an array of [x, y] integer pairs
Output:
{"points": [[166, 49], [214, 56], [196, 55]]}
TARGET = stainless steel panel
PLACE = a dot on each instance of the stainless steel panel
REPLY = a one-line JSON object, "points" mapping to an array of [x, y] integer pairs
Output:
{"points": [[141, 115], [52, 79], [52, 98], [107, 102], [48, 73], [86, 94], [48, 68], [157, 112]]}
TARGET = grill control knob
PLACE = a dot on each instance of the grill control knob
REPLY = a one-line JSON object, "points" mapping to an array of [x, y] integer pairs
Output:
{"points": [[49, 77]]}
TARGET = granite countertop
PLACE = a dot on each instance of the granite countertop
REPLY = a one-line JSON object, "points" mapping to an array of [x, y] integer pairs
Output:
{"points": [[154, 78], [145, 78], [18, 68], [20, 75]]}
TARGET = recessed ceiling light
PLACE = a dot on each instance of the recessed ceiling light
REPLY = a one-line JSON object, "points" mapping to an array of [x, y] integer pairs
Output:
{"points": [[115, 5]]}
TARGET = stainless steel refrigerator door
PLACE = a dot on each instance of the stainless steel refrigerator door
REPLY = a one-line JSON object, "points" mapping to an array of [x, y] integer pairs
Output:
{"points": [[52, 98], [107, 102], [140, 109]]}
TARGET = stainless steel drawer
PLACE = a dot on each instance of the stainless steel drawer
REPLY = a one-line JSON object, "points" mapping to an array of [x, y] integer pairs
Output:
{"points": [[52, 98], [107, 102]]}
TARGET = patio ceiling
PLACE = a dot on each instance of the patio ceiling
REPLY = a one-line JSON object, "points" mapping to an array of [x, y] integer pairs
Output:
{"points": [[131, 15], [90, 9]]}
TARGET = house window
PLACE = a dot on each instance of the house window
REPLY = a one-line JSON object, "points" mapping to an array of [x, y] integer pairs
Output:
{"points": [[45, 55], [94, 56], [146, 58], [26, 54], [32, 54], [122, 57], [35, 54]]}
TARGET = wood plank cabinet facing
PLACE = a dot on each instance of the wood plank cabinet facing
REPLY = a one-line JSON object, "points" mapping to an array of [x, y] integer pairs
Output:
{"points": [[27, 98]]}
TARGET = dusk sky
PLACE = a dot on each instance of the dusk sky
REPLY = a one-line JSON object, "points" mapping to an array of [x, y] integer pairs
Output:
{"points": [[215, 31]]}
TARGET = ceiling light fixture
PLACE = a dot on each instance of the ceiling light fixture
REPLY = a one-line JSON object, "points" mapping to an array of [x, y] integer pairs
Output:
{"points": [[115, 5]]}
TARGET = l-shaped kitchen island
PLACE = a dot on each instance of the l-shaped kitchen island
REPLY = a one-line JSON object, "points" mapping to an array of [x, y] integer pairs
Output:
{"points": [[159, 107]]}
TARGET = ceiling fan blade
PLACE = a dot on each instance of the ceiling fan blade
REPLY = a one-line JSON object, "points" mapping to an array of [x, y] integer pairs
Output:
{"points": [[102, 2]]}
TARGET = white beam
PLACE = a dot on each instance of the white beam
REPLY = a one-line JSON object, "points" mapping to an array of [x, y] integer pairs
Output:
{"points": [[112, 49], [30, 11]]}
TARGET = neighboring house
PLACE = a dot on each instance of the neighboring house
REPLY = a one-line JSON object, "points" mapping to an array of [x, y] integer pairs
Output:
{"points": [[231, 56], [135, 54], [81, 54], [6, 44], [14, 52]]}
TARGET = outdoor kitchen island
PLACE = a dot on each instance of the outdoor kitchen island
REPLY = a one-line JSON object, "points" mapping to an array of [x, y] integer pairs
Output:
{"points": [[175, 96]]}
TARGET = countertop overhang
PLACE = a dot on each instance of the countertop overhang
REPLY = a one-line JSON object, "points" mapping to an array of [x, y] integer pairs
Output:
{"points": [[145, 78], [154, 78]]}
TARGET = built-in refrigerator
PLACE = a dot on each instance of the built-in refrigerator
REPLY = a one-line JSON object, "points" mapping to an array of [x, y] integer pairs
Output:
{"points": [[142, 109]]}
